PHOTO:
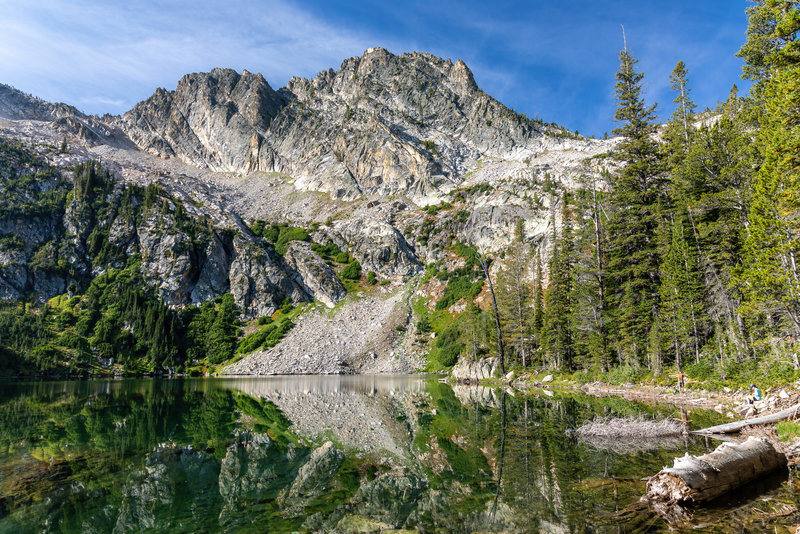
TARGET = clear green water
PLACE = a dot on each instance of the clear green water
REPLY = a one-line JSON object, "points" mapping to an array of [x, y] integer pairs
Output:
{"points": [[338, 454]]}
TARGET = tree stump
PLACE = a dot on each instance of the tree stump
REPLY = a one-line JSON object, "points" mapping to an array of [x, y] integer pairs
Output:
{"points": [[693, 479]]}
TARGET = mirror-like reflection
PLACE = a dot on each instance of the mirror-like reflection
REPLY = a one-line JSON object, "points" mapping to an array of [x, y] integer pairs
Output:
{"points": [[335, 454]]}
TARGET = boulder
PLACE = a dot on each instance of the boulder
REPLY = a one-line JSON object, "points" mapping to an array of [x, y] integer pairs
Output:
{"points": [[314, 275], [467, 370]]}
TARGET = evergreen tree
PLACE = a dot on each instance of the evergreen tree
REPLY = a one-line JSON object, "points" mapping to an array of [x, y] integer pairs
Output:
{"points": [[770, 277], [538, 303], [224, 331], [557, 326], [588, 314], [514, 295], [684, 106], [679, 294], [633, 251], [474, 327]]}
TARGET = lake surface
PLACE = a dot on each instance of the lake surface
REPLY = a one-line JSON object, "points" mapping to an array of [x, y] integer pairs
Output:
{"points": [[340, 454]]}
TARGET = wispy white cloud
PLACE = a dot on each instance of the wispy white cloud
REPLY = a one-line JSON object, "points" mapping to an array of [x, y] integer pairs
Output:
{"points": [[67, 49], [555, 60]]}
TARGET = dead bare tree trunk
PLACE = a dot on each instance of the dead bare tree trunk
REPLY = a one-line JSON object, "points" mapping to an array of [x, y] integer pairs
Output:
{"points": [[693, 479], [501, 356], [736, 426]]}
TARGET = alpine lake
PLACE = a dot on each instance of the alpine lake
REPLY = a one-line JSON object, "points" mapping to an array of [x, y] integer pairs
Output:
{"points": [[350, 454]]}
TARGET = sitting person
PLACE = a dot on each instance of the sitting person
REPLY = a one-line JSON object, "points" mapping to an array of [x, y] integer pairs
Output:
{"points": [[756, 395]]}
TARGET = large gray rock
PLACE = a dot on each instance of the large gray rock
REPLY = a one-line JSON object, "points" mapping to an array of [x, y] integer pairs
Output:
{"points": [[166, 257], [470, 370], [378, 246], [214, 120], [259, 280], [314, 275]]}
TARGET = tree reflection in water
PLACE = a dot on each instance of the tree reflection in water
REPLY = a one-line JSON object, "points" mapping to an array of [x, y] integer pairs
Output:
{"points": [[327, 454]]}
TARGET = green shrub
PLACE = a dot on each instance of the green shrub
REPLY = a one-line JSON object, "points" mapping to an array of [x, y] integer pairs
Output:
{"points": [[436, 208], [352, 271], [288, 234], [253, 341], [447, 346], [699, 371], [271, 233], [281, 328], [623, 375], [371, 278], [264, 320], [448, 356], [341, 257], [329, 251], [457, 288], [424, 325]]}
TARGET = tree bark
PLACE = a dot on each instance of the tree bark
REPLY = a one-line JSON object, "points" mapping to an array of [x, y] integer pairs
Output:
{"points": [[736, 426], [501, 362], [693, 479]]}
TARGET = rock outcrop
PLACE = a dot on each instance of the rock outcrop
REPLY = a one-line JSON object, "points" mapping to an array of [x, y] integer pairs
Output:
{"points": [[215, 120], [314, 275], [377, 245], [467, 370], [382, 124]]}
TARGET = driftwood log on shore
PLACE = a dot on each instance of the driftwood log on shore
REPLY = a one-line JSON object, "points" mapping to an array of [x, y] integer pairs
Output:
{"points": [[736, 426], [697, 479]]}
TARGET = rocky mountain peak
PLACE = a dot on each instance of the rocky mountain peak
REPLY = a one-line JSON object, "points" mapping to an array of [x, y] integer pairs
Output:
{"points": [[383, 124], [16, 105], [213, 120]]}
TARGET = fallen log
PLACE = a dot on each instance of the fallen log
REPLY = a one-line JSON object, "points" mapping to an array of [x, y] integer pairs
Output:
{"points": [[693, 479], [736, 426]]}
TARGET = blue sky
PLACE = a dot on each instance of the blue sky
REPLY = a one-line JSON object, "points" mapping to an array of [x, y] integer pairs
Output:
{"points": [[554, 59]]}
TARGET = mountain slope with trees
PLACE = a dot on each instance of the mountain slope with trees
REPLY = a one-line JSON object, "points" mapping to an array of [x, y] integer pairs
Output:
{"points": [[671, 247]]}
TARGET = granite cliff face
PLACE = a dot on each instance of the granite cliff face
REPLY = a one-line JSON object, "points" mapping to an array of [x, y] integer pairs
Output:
{"points": [[216, 120], [391, 158], [381, 125]]}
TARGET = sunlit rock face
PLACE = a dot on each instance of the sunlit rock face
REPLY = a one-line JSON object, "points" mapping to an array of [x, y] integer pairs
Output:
{"points": [[395, 159], [215, 120], [382, 124]]}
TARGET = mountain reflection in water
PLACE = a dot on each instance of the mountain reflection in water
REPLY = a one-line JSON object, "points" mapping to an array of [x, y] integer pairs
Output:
{"points": [[330, 454]]}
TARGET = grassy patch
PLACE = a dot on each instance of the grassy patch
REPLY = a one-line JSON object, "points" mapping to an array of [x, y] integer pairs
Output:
{"points": [[788, 430]]}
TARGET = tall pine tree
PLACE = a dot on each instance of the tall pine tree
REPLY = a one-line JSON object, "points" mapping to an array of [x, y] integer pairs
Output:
{"points": [[771, 276], [633, 248], [514, 295]]}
